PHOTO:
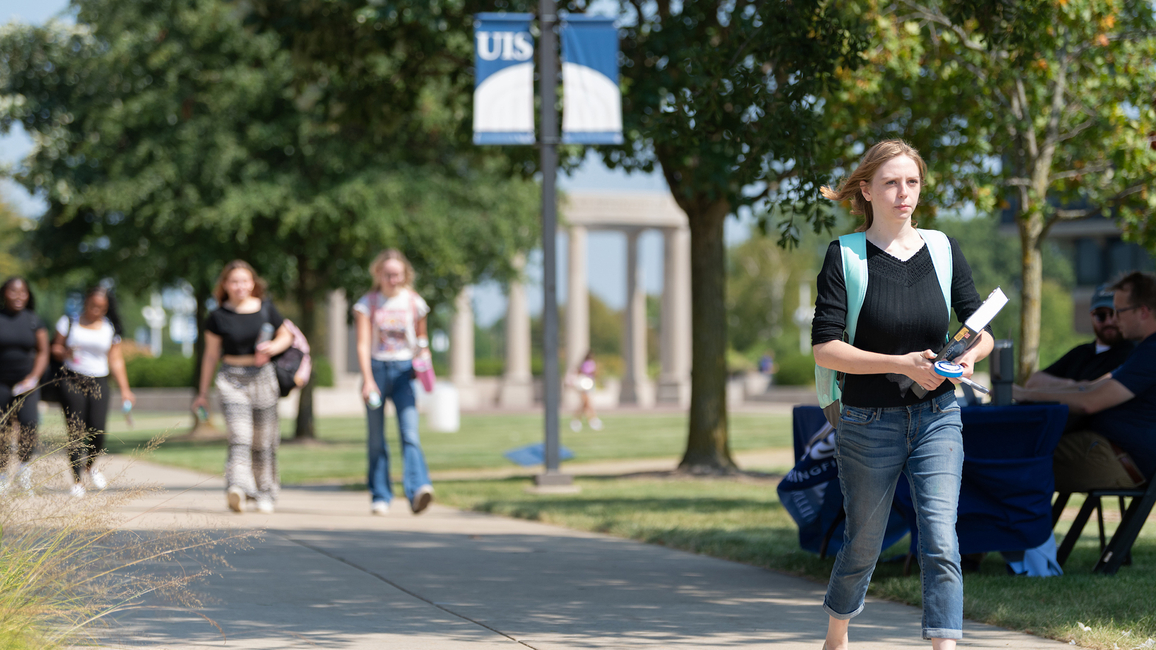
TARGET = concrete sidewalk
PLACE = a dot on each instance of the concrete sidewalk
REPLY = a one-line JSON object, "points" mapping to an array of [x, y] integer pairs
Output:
{"points": [[328, 575]]}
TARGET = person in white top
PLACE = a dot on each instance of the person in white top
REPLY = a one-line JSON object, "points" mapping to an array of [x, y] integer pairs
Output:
{"points": [[89, 347], [391, 329]]}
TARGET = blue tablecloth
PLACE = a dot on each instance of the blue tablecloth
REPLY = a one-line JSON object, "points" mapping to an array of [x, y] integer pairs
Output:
{"points": [[1006, 496]]}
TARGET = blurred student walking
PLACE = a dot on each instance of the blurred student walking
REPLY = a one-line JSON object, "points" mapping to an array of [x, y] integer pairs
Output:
{"points": [[391, 330], [89, 346], [23, 359], [243, 333]]}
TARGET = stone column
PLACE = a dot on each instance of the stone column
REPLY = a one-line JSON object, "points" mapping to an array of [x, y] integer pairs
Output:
{"points": [[675, 343], [337, 345], [577, 301], [635, 383], [462, 350], [517, 382]]}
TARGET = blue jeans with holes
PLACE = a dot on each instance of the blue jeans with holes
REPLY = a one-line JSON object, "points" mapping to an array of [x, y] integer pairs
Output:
{"points": [[394, 380], [872, 446]]}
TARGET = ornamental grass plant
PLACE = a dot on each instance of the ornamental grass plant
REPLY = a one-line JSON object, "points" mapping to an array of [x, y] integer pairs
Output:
{"points": [[69, 565]]}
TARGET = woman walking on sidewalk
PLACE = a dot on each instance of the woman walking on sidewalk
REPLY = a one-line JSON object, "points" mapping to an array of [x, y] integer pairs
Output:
{"points": [[23, 360], [884, 428], [391, 330], [240, 334], [89, 346]]}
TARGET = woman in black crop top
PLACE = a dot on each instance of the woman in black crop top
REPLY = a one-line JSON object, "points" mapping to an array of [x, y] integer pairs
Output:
{"points": [[23, 359], [884, 428], [246, 383]]}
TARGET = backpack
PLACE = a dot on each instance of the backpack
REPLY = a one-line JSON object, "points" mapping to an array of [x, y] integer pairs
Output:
{"points": [[828, 383], [294, 365]]}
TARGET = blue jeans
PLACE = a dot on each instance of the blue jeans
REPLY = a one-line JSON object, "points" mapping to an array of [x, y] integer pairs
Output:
{"points": [[872, 446], [394, 381]]}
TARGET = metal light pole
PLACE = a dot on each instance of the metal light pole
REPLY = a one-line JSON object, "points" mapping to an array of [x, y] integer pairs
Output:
{"points": [[548, 66]]}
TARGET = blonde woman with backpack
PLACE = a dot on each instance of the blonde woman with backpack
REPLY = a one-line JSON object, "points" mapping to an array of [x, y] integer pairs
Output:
{"points": [[391, 334], [886, 428]]}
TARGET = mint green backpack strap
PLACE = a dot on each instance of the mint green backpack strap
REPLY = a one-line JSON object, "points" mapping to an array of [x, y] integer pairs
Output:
{"points": [[940, 248], [854, 248], [854, 255]]}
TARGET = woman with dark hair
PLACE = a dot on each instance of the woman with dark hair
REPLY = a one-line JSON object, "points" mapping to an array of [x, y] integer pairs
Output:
{"points": [[23, 359], [89, 347], [240, 334]]}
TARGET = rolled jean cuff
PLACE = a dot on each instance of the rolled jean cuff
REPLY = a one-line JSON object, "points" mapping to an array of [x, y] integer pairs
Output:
{"points": [[941, 633], [842, 617]]}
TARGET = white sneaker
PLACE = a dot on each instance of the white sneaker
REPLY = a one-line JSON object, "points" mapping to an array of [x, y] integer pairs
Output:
{"points": [[575, 425], [265, 506], [98, 480], [422, 499], [596, 424], [379, 508], [235, 497], [77, 491]]}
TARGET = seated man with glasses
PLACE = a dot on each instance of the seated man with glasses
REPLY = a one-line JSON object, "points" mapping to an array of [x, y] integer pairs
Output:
{"points": [[1118, 449], [1093, 360]]}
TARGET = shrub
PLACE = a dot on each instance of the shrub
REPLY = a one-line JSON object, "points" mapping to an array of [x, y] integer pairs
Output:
{"points": [[165, 371], [322, 372], [795, 369]]}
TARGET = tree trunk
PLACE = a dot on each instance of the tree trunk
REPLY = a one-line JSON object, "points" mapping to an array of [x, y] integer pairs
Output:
{"points": [[708, 446], [306, 303], [202, 296], [1031, 226]]}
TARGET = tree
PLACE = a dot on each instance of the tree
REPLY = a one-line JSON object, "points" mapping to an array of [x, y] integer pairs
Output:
{"points": [[722, 96], [1039, 108], [173, 139], [12, 227]]}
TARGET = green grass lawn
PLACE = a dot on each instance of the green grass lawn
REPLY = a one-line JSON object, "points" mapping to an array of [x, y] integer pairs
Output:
{"points": [[738, 519], [742, 520], [478, 445]]}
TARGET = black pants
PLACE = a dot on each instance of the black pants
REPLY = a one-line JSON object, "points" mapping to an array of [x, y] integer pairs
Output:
{"points": [[24, 418], [84, 401]]}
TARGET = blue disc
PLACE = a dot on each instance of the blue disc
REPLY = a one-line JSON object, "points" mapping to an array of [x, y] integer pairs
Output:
{"points": [[948, 369]]}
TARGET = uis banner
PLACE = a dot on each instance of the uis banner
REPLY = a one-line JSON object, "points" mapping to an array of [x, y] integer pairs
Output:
{"points": [[504, 79], [591, 100]]}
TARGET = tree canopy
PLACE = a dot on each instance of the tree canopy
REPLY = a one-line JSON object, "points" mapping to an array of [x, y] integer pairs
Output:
{"points": [[171, 138], [1042, 109]]}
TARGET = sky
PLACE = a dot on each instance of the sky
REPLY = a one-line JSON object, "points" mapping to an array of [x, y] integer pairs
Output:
{"points": [[606, 263]]}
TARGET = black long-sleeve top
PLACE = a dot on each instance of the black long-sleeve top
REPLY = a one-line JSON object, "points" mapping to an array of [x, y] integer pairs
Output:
{"points": [[902, 312]]}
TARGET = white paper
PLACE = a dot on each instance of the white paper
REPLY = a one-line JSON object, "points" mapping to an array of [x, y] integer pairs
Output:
{"points": [[987, 311]]}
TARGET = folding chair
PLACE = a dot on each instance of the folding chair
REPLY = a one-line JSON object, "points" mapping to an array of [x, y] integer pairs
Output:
{"points": [[1118, 550]]}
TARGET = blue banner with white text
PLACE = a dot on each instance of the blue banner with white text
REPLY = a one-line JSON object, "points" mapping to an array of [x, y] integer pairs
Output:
{"points": [[504, 79], [591, 100]]}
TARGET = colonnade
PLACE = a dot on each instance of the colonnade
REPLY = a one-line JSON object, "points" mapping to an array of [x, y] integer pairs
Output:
{"points": [[630, 213]]}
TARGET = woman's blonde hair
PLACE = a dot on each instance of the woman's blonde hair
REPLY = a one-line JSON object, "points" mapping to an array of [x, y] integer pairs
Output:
{"points": [[385, 256], [871, 161], [219, 290]]}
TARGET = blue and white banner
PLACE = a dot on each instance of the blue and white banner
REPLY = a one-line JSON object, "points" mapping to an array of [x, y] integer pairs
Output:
{"points": [[504, 79], [591, 100]]}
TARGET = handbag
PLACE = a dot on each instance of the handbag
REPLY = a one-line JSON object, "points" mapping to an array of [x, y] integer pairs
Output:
{"points": [[50, 381], [422, 366]]}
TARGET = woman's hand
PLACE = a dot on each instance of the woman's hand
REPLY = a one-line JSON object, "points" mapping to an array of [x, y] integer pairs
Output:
{"points": [[368, 387], [200, 401], [262, 356], [128, 396], [921, 369]]}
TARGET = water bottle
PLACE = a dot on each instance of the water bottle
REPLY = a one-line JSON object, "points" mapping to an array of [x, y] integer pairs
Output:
{"points": [[374, 400], [127, 408], [266, 334], [202, 414]]}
